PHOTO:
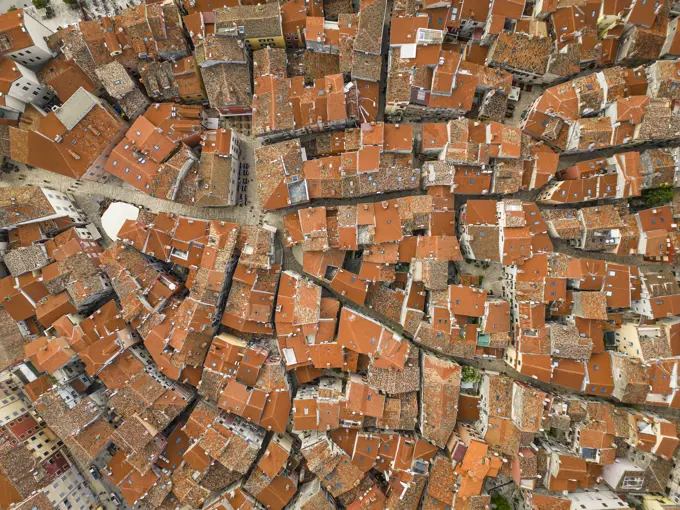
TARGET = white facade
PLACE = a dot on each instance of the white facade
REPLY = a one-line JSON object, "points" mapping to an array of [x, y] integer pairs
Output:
{"points": [[11, 407], [43, 444], [28, 89], [235, 156], [12, 109], [63, 205], [598, 499], [70, 492]]}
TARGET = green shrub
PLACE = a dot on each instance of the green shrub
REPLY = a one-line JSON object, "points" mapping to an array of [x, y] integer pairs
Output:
{"points": [[500, 503], [658, 196], [471, 374]]}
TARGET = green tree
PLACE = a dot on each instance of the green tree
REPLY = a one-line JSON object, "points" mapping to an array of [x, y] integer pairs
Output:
{"points": [[471, 374], [658, 196], [40, 4], [500, 503], [12, 8]]}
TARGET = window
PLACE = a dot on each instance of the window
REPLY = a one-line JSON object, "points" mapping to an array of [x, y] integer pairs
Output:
{"points": [[632, 482]]}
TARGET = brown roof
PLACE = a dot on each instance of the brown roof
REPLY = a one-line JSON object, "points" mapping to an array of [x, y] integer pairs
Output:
{"points": [[67, 150], [467, 300]]}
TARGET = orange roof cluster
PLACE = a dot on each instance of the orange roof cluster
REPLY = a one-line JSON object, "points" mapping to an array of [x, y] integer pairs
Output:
{"points": [[51, 279], [250, 307], [257, 389], [231, 373], [13, 31], [383, 231], [345, 457], [99, 338], [474, 143], [141, 32], [155, 154], [302, 313], [651, 233], [206, 248], [507, 231], [582, 297], [71, 147], [595, 187], [307, 339], [428, 76], [355, 372], [132, 276], [477, 158], [377, 159], [629, 103], [287, 106], [173, 81]]}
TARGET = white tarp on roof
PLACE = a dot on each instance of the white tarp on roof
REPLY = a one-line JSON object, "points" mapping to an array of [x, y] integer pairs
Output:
{"points": [[114, 217]]}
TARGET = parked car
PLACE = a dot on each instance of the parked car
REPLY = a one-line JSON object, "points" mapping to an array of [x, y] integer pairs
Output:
{"points": [[115, 499]]}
